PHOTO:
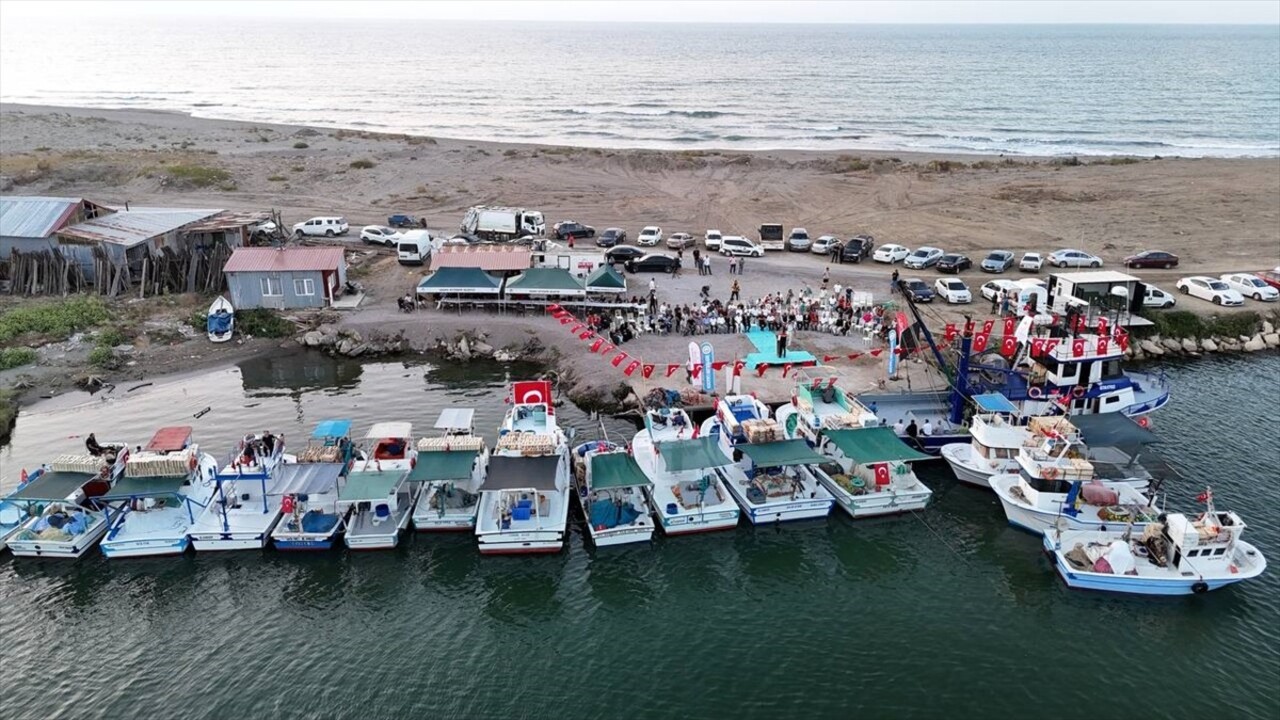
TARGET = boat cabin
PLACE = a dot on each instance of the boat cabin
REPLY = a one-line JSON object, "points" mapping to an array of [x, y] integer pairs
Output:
{"points": [[1199, 543], [997, 428], [527, 490], [390, 445], [1051, 459], [330, 442]]}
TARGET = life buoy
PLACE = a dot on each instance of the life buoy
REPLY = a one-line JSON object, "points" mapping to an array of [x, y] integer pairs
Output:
{"points": [[1144, 422], [1077, 391], [1035, 392]]}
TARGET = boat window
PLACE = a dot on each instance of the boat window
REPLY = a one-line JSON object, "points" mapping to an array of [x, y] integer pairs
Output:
{"points": [[1219, 551], [1111, 368], [1192, 553]]}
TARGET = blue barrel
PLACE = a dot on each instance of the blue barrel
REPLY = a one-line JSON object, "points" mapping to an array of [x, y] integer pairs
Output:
{"points": [[671, 509]]}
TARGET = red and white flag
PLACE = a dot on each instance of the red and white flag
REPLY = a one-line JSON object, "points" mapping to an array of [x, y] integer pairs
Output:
{"points": [[631, 367], [672, 368], [647, 370], [980, 342], [1077, 347], [617, 359]]}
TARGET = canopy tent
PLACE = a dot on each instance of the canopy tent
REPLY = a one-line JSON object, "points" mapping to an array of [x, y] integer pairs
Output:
{"points": [[1112, 429], [132, 487], [605, 279], [455, 419], [459, 281], [370, 486], [305, 478], [873, 445], [616, 470], [545, 281], [389, 430], [518, 473], [784, 452], [170, 439], [441, 465], [52, 486], [697, 454], [994, 403], [331, 429]]}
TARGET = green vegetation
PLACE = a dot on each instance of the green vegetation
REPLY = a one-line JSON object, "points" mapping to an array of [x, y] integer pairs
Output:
{"points": [[276, 178], [52, 320], [300, 145], [110, 337], [1186, 324], [104, 358], [263, 323], [16, 357], [364, 164], [8, 414], [199, 175]]}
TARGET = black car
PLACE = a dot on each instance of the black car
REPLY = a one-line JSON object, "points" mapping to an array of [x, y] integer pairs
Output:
{"points": [[569, 229], [954, 263], [918, 290], [611, 237], [857, 248], [653, 262], [623, 254]]}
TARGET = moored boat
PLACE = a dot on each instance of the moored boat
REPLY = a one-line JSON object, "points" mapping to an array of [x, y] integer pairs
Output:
{"points": [[242, 513], [377, 496], [610, 488], [819, 405], [872, 473], [60, 515], [221, 320], [687, 494], [451, 468], [997, 433], [310, 518]]}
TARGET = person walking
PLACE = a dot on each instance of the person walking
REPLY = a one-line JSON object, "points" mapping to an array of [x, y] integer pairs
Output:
{"points": [[826, 279], [706, 262], [733, 264], [837, 254], [733, 291], [742, 264], [893, 282], [697, 260], [653, 287], [995, 301]]}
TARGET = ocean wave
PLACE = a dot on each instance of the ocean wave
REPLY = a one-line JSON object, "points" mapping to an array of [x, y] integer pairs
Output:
{"points": [[696, 114]]}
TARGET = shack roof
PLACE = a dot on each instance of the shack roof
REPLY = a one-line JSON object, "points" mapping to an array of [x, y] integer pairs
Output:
{"points": [[35, 217], [229, 220], [128, 228], [485, 257], [290, 259]]}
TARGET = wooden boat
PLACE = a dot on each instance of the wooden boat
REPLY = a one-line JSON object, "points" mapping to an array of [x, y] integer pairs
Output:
{"points": [[221, 321]]}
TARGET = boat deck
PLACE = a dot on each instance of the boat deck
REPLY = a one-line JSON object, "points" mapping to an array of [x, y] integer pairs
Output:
{"points": [[551, 516]]}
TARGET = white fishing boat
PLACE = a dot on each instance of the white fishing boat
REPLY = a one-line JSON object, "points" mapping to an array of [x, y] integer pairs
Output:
{"points": [[59, 516], [1057, 487], [242, 513], [687, 494], [377, 495], [997, 433], [819, 405], [524, 501], [870, 472], [610, 488], [310, 516], [451, 468], [221, 320], [165, 486], [1178, 555], [734, 415]]}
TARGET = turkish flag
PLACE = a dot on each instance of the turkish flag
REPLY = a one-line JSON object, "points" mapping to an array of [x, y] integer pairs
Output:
{"points": [[617, 359], [1008, 346], [980, 342], [608, 348], [786, 369], [760, 369], [697, 370], [968, 327], [1102, 326], [737, 368], [631, 367], [719, 365], [596, 345], [949, 332], [882, 473], [831, 382], [815, 384], [647, 370], [574, 330], [987, 326], [876, 352], [1009, 324], [672, 368], [585, 334], [1077, 347], [829, 358], [854, 356], [1037, 347], [1051, 344], [530, 392], [553, 308], [1123, 342], [565, 319], [1103, 345], [1078, 323]]}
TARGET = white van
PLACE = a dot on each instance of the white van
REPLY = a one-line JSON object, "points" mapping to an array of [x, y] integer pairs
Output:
{"points": [[712, 239], [1157, 298], [738, 245], [414, 247], [326, 226]]}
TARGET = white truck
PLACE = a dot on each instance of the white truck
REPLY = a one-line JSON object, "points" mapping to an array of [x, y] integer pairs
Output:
{"points": [[415, 246], [579, 265], [502, 223]]}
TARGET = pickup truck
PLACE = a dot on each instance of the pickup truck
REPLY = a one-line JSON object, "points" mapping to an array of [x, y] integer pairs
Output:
{"points": [[403, 221]]}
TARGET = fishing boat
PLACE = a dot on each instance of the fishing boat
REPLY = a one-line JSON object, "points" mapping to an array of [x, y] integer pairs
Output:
{"points": [[377, 495], [310, 517], [734, 414], [59, 512], [1057, 487], [996, 432], [1177, 555], [687, 493], [152, 508], [242, 513], [870, 472], [451, 468], [818, 405], [221, 320], [524, 500], [610, 488]]}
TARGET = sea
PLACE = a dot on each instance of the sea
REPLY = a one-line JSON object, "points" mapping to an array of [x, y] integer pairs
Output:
{"points": [[945, 613], [1042, 90]]}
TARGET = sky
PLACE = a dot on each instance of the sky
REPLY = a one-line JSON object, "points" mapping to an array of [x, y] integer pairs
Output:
{"points": [[762, 11]]}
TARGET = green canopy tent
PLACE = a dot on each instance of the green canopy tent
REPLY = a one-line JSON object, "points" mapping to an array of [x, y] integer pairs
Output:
{"points": [[616, 470], [459, 281], [778, 454], [699, 454], [443, 465], [865, 446], [545, 282], [370, 486], [605, 279]]}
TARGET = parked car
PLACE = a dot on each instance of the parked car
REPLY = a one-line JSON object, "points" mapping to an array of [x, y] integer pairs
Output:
{"points": [[611, 237], [623, 254], [680, 241], [570, 229], [1252, 286], [1211, 289], [379, 235], [997, 261], [1031, 262], [918, 290], [712, 239], [403, 221], [953, 290], [923, 257], [1270, 277], [738, 245], [1074, 258], [891, 253], [650, 236], [1152, 259], [824, 245], [798, 240], [653, 262], [992, 288], [326, 226], [856, 248], [414, 247], [954, 263], [1157, 298]]}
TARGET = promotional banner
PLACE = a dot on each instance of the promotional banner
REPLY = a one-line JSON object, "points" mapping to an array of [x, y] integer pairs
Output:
{"points": [[708, 368], [695, 361], [893, 352]]}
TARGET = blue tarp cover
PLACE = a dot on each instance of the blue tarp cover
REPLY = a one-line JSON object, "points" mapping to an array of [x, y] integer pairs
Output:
{"points": [[331, 429], [994, 403], [305, 478], [220, 322]]}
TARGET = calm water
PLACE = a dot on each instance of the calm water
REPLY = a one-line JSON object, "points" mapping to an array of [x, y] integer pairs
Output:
{"points": [[946, 614], [1044, 90]]}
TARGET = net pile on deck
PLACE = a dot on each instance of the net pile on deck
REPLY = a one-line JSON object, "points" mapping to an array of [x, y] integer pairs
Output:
{"points": [[761, 431], [840, 421], [71, 462], [454, 443], [529, 444], [157, 465], [321, 454]]}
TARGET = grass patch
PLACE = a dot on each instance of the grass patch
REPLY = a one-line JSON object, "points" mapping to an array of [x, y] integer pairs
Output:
{"points": [[8, 414], [16, 357], [1186, 324], [110, 337], [55, 320], [363, 164], [104, 358], [298, 168], [198, 175], [300, 145], [276, 178], [263, 323], [43, 148]]}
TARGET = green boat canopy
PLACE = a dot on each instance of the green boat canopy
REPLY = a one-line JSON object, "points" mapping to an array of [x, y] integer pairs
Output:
{"points": [[459, 281], [698, 454], [605, 279], [52, 486], [131, 487], [873, 445], [545, 281], [440, 465], [616, 470], [370, 486], [786, 452]]}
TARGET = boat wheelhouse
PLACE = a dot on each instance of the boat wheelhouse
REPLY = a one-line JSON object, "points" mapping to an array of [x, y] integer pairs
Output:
{"points": [[242, 514], [997, 432], [610, 488], [451, 468], [872, 473]]}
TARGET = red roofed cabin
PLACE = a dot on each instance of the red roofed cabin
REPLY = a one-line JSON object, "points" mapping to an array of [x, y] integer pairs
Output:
{"points": [[285, 278]]}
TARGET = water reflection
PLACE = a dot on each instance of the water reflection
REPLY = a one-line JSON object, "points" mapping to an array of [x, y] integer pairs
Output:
{"points": [[286, 374]]}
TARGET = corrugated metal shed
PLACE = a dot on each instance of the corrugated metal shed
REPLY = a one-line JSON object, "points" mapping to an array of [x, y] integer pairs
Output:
{"points": [[292, 259], [229, 220], [34, 217], [485, 257], [128, 228]]}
